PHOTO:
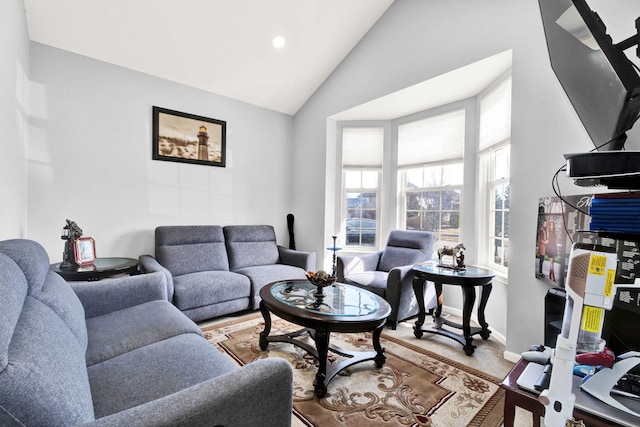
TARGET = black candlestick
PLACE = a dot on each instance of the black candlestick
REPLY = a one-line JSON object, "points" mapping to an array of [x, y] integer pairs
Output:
{"points": [[334, 249]]}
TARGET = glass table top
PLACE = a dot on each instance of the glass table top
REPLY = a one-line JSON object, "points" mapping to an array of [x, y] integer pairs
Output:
{"points": [[337, 300], [470, 271]]}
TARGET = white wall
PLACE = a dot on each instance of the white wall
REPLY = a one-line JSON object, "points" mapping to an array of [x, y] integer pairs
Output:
{"points": [[415, 41], [90, 158], [14, 86]]}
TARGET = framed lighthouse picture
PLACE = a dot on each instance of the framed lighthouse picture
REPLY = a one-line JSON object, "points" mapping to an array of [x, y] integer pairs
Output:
{"points": [[187, 138]]}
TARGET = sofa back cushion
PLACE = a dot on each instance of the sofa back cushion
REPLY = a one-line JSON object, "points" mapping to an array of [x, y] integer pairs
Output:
{"points": [[184, 249], [47, 286], [43, 374], [249, 245], [406, 247], [13, 288]]}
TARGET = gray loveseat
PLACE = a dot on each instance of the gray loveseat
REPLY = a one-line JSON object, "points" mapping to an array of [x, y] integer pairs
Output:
{"points": [[116, 353], [213, 270]]}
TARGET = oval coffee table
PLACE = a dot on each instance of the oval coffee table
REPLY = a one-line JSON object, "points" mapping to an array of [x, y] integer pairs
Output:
{"points": [[342, 308]]}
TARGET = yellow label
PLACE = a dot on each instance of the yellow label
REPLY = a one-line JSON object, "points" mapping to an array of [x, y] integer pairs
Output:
{"points": [[608, 283], [597, 264], [591, 318]]}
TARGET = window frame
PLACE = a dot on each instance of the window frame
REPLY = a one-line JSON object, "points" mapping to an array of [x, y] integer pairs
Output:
{"points": [[344, 207], [402, 199], [488, 184]]}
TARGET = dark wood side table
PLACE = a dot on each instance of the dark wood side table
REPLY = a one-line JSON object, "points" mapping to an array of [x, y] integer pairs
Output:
{"points": [[342, 308], [586, 407], [467, 279], [101, 268]]}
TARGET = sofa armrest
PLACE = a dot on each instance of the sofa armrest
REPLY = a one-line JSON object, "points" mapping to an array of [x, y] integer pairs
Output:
{"points": [[347, 264], [304, 260], [107, 295], [148, 264], [258, 394]]}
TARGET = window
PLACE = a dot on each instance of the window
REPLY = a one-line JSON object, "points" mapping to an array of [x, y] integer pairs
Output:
{"points": [[362, 166], [432, 196], [498, 206], [446, 170], [494, 145], [430, 159]]}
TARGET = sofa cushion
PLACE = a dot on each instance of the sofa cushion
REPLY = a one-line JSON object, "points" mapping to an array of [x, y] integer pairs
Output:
{"points": [[249, 245], [375, 281], [191, 248], [406, 247], [32, 260], [47, 286], [45, 381], [209, 287], [58, 295], [153, 371], [119, 332], [13, 288], [261, 275]]}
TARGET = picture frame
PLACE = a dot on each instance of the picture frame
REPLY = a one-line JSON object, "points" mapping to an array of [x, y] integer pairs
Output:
{"points": [[571, 218], [188, 138], [84, 249]]}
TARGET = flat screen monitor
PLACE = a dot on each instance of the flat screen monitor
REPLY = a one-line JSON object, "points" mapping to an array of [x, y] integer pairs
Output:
{"points": [[599, 79]]}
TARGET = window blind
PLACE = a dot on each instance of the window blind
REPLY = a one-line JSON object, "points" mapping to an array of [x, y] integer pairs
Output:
{"points": [[362, 146], [433, 139], [495, 115]]}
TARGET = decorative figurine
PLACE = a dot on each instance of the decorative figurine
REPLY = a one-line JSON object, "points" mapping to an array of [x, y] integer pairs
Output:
{"points": [[457, 255], [70, 233]]}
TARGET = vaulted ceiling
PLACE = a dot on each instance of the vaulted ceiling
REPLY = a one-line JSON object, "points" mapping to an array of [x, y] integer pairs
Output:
{"points": [[221, 46]]}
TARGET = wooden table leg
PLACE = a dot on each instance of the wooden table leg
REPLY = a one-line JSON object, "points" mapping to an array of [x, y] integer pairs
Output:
{"points": [[509, 409], [418, 289], [484, 297], [380, 357], [468, 300], [322, 346], [437, 320], [266, 315]]}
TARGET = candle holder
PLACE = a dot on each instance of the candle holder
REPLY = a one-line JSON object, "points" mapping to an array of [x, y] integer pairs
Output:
{"points": [[334, 249]]}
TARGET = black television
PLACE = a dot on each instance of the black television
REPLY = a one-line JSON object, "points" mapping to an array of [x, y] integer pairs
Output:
{"points": [[603, 87]]}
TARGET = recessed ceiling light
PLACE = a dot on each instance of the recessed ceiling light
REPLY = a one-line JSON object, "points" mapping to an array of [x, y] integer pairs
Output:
{"points": [[279, 42]]}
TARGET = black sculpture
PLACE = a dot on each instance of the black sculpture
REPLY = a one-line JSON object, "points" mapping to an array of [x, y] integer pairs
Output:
{"points": [[70, 233]]}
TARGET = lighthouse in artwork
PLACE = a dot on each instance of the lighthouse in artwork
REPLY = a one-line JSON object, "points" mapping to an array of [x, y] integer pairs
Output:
{"points": [[203, 147]]}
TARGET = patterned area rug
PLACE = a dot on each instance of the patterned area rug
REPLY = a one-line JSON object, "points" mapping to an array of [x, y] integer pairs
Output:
{"points": [[415, 387]]}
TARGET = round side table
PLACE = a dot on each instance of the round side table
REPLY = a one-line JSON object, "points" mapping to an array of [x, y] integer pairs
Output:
{"points": [[100, 269]]}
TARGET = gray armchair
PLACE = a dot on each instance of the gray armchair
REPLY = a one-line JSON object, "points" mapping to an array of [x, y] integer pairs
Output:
{"points": [[389, 273]]}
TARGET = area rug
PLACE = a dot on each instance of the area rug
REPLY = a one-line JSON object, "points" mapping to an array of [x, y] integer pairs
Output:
{"points": [[415, 387]]}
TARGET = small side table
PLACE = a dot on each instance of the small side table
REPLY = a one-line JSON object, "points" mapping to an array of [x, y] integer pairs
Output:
{"points": [[101, 268], [593, 412], [467, 280]]}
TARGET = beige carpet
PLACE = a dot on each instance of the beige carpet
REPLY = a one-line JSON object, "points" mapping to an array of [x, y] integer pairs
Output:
{"points": [[415, 387]]}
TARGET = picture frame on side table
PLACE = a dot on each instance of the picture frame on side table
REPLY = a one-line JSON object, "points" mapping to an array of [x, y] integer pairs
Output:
{"points": [[85, 251], [188, 138]]}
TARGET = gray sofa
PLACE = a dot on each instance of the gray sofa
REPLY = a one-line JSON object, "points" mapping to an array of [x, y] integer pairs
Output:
{"points": [[213, 270], [116, 353]]}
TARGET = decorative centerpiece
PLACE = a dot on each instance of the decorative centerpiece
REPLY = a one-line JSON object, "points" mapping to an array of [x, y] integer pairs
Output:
{"points": [[457, 257], [320, 280]]}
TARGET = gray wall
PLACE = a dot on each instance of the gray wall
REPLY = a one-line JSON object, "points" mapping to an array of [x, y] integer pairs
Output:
{"points": [[413, 42], [14, 84], [90, 158]]}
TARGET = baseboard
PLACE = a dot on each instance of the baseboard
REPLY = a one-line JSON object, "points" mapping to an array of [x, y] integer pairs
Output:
{"points": [[511, 356], [458, 312]]}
